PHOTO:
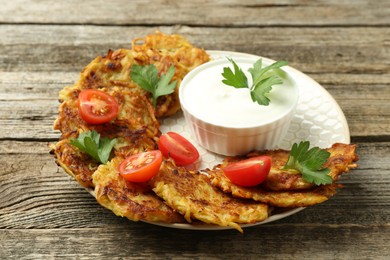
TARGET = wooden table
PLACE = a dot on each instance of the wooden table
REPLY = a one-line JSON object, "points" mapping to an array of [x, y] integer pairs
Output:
{"points": [[44, 213]]}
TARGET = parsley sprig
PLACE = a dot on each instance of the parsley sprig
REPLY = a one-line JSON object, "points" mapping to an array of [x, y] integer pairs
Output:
{"points": [[309, 162], [96, 147], [263, 79], [147, 78]]}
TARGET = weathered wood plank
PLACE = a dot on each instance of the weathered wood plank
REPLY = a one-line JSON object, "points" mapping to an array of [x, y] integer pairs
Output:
{"points": [[28, 119], [36, 193], [200, 12], [145, 242], [44, 213], [51, 57], [311, 50]]}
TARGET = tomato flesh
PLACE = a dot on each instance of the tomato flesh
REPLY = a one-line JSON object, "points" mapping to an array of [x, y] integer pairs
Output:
{"points": [[249, 172], [97, 107], [182, 151], [141, 167]]}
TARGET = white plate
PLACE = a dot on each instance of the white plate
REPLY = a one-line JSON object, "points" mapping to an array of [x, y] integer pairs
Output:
{"points": [[318, 119]]}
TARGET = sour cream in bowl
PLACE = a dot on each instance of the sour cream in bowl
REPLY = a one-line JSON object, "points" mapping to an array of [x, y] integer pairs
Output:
{"points": [[225, 120]]}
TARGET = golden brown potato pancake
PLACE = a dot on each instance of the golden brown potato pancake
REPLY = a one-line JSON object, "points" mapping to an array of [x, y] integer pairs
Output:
{"points": [[342, 159], [137, 116], [289, 199], [81, 166], [159, 49], [163, 51], [77, 164], [175, 195], [135, 111], [136, 201], [286, 189], [191, 194], [135, 127]]}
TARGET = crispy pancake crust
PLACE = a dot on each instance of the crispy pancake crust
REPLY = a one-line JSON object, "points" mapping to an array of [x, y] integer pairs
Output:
{"points": [[289, 199], [135, 127], [127, 199], [135, 111], [163, 51], [289, 191], [77, 164], [111, 74], [342, 159], [159, 49], [175, 195], [81, 166], [192, 195]]}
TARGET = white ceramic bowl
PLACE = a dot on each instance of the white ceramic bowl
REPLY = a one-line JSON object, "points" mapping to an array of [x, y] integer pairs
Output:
{"points": [[225, 120]]}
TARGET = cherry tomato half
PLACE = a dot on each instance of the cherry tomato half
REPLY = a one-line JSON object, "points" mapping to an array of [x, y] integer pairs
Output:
{"points": [[97, 107], [249, 172], [178, 148], [141, 167]]}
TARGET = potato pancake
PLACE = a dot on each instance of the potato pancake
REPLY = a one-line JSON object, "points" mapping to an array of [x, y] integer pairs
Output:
{"points": [[163, 51], [159, 49], [137, 117], [191, 194], [81, 166], [290, 199], [136, 201], [135, 127], [342, 159], [135, 111], [286, 189], [174, 195]]}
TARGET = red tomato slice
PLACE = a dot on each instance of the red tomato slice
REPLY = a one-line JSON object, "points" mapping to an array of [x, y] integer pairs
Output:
{"points": [[141, 167], [249, 172], [97, 107], [178, 148]]}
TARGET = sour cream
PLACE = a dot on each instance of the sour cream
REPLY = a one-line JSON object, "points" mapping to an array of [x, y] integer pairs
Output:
{"points": [[214, 102], [220, 113]]}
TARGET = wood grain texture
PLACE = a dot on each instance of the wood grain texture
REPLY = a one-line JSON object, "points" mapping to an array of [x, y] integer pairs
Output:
{"points": [[284, 241], [311, 50], [199, 12], [44, 214], [341, 59]]}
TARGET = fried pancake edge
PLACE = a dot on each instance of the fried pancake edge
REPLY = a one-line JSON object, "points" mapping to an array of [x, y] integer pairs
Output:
{"points": [[192, 195], [343, 158], [136, 201], [168, 199]]}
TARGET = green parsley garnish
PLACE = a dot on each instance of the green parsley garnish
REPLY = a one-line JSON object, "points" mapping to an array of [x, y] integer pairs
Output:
{"points": [[96, 147], [147, 78], [263, 79], [309, 163]]}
